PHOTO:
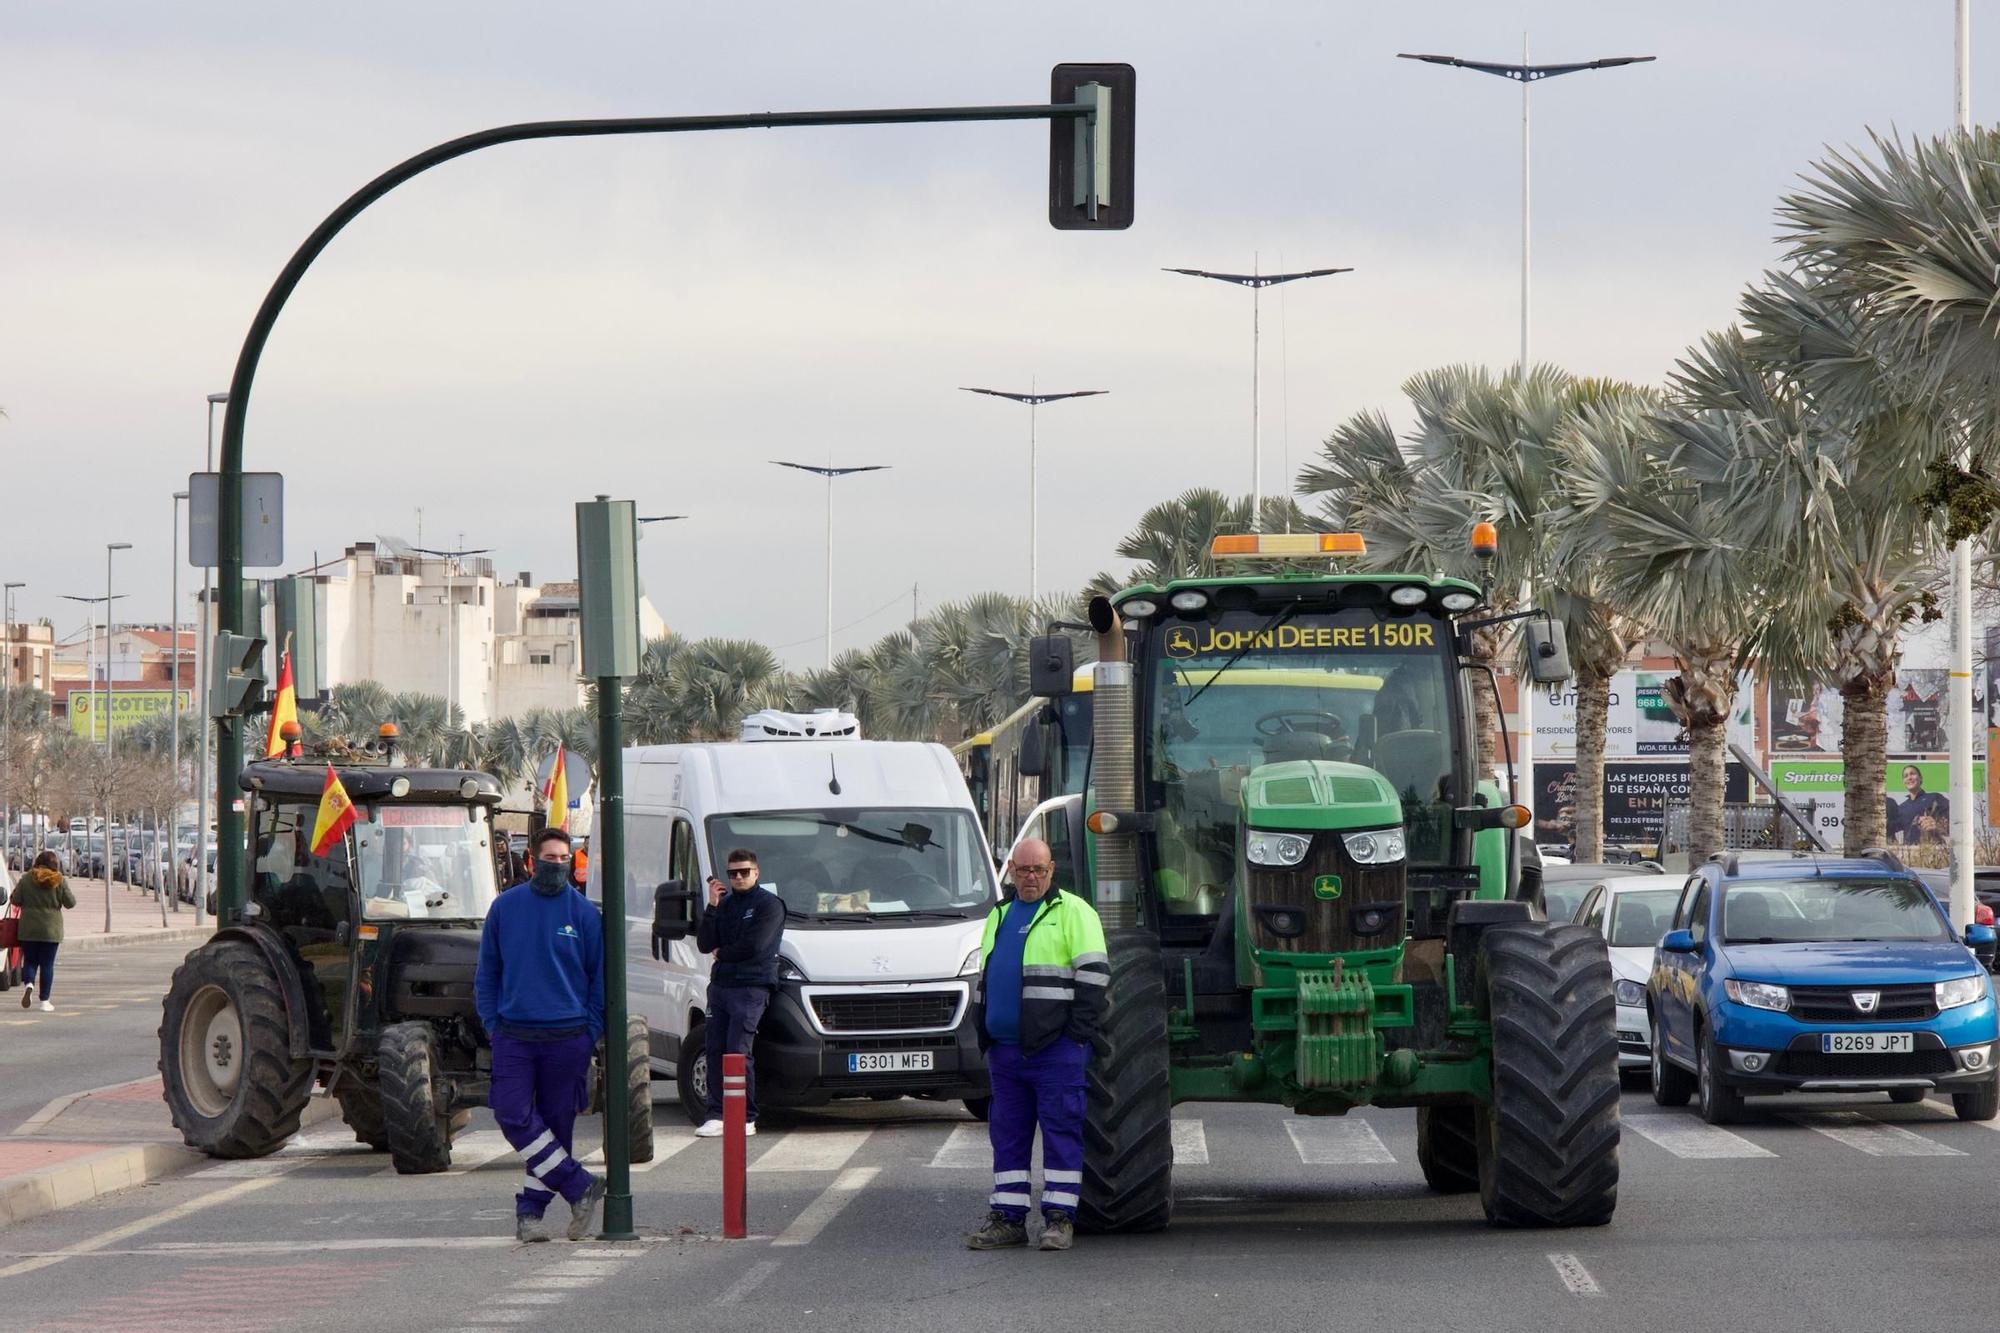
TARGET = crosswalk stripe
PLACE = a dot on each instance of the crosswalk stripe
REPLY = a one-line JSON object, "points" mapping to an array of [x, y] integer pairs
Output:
{"points": [[822, 1210], [1686, 1137], [820, 1150], [1870, 1136], [1190, 1143], [965, 1147], [469, 1152], [1346, 1141]]}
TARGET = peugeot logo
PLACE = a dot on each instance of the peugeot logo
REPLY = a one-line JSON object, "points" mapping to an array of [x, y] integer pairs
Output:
{"points": [[882, 965], [1866, 1000]]}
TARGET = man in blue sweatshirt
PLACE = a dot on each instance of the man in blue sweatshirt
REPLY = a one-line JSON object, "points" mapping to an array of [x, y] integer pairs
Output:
{"points": [[741, 928], [540, 993]]}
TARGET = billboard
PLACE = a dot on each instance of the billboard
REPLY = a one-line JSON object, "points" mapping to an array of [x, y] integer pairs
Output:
{"points": [[1808, 720], [125, 708], [1913, 794], [1638, 723], [1636, 797]]}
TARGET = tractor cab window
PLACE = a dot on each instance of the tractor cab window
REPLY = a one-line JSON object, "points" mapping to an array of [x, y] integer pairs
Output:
{"points": [[302, 895], [1242, 690], [431, 861]]}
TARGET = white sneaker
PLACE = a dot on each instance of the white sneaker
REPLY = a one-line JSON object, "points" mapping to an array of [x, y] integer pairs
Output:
{"points": [[750, 1130], [48, 1008], [710, 1129]]}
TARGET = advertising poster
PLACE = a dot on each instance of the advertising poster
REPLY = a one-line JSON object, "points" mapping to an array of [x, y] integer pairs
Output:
{"points": [[1805, 720], [1915, 805], [1638, 722], [1635, 799], [1808, 721], [125, 708]]}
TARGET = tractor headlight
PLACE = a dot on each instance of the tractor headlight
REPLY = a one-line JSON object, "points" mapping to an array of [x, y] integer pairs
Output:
{"points": [[1409, 594], [1375, 847], [1276, 849], [1960, 990], [1188, 600], [1455, 602], [1629, 993], [1758, 994], [1139, 608]]}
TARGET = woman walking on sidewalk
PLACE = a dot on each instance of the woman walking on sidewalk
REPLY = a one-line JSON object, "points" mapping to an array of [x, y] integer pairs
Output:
{"points": [[41, 894]]}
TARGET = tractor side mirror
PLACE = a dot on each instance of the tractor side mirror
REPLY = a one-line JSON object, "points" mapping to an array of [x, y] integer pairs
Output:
{"points": [[1548, 652], [1677, 941], [1033, 761], [1051, 666], [673, 914]]}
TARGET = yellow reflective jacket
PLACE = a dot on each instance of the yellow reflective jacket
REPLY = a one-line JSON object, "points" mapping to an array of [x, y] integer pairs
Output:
{"points": [[1064, 971]]}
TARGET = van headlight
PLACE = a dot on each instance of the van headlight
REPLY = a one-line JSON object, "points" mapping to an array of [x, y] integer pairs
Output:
{"points": [[790, 971], [1376, 847], [1758, 994], [1960, 990], [1628, 993], [1276, 849], [970, 967]]}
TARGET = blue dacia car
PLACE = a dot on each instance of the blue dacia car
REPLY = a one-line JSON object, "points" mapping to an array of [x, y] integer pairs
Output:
{"points": [[1819, 975]]}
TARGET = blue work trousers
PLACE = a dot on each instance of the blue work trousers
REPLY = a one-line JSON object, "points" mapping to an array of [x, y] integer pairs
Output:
{"points": [[1044, 1090], [733, 1015], [539, 1088]]}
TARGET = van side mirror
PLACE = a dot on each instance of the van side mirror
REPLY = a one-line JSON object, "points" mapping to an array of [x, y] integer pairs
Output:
{"points": [[1051, 666], [1033, 761], [673, 914], [1677, 941], [1548, 652]]}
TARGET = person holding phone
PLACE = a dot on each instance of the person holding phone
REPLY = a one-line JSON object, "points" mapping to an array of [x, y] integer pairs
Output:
{"points": [[741, 929]]}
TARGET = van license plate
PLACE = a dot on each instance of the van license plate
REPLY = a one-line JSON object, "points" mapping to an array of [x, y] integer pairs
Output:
{"points": [[1866, 1043], [889, 1062]]}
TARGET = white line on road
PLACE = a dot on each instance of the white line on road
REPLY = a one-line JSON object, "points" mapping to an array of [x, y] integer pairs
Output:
{"points": [[821, 1210], [1870, 1136], [105, 1239], [471, 1151], [1686, 1137], [967, 1146], [1347, 1141], [1190, 1143], [526, 1298], [1575, 1276], [665, 1145], [748, 1283], [826, 1150], [557, 1283], [210, 1248]]}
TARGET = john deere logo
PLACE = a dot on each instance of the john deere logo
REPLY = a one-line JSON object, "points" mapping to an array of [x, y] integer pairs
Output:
{"points": [[1327, 887], [1180, 643]]}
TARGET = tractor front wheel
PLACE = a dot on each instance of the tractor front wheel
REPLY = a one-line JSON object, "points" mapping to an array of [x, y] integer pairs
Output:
{"points": [[1548, 1140], [419, 1131], [1448, 1148], [226, 1066], [1128, 1143]]}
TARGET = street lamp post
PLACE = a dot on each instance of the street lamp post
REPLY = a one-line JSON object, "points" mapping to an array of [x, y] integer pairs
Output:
{"points": [[1257, 282], [1034, 401], [204, 663], [7, 715], [174, 705], [830, 473], [110, 549], [1959, 849]]}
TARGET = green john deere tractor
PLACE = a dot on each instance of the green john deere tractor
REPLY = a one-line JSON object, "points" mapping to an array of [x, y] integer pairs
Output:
{"points": [[1313, 894]]}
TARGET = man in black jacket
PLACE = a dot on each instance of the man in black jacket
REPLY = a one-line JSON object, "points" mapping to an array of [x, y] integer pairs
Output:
{"points": [[741, 928]]}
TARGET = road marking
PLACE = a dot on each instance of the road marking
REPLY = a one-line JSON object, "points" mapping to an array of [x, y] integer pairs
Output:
{"points": [[469, 1152], [1575, 1276], [1190, 1143], [526, 1298], [749, 1282], [820, 1211], [112, 1237], [557, 1283], [1870, 1136], [1684, 1136], [1346, 1141], [247, 1247], [664, 1146], [826, 1150], [967, 1146]]}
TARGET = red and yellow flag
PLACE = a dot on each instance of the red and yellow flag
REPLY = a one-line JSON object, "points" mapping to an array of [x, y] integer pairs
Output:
{"points": [[557, 792], [284, 708], [336, 814]]}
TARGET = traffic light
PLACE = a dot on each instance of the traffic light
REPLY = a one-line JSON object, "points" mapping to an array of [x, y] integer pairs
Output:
{"points": [[237, 681], [1090, 157]]}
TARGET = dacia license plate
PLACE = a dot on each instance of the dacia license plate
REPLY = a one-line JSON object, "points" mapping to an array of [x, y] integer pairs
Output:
{"points": [[1866, 1043], [889, 1062]]}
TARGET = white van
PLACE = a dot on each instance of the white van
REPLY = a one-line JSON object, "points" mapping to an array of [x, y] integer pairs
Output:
{"points": [[875, 848]]}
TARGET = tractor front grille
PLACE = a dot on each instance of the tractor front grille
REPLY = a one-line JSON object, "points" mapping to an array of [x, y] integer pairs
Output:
{"points": [[1288, 916]]}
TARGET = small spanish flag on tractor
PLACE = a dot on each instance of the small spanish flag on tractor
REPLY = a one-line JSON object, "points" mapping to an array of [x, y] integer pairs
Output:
{"points": [[336, 814], [557, 792], [284, 707]]}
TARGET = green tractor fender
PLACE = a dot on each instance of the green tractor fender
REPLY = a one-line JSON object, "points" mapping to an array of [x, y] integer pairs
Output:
{"points": [[285, 970]]}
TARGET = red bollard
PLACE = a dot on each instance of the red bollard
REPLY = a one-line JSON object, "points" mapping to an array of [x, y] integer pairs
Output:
{"points": [[734, 1092]]}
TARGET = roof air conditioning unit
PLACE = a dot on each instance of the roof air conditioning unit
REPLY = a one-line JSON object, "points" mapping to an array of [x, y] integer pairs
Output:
{"points": [[822, 724]]}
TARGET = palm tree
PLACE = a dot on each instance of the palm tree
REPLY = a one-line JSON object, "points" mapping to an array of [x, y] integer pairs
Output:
{"points": [[1173, 539], [700, 690]]}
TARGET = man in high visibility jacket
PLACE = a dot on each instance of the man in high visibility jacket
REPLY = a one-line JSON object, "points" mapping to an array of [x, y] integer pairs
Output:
{"points": [[1042, 984]]}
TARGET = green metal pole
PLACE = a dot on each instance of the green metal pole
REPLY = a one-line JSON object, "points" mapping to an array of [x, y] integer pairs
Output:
{"points": [[609, 834]]}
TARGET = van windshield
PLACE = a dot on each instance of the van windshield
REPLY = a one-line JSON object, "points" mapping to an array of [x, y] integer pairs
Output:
{"points": [[858, 865]]}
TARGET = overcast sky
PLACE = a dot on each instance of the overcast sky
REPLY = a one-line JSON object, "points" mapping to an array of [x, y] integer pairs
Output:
{"points": [[656, 317]]}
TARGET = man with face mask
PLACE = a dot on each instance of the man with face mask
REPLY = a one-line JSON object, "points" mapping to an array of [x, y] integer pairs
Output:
{"points": [[540, 994]]}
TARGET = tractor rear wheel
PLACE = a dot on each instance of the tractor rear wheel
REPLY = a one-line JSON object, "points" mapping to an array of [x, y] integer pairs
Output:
{"points": [[361, 1109], [419, 1131], [1448, 1148], [1128, 1144], [1548, 1139], [226, 1067]]}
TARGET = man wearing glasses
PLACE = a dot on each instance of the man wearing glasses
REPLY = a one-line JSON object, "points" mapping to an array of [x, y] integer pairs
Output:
{"points": [[540, 994], [1043, 975], [741, 928]]}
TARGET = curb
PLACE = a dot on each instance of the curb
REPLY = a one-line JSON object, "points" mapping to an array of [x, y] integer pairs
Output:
{"points": [[118, 939], [83, 1179]]}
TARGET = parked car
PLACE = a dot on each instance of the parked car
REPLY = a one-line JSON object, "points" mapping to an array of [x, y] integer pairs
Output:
{"points": [[1820, 974], [1631, 912], [1564, 884]]}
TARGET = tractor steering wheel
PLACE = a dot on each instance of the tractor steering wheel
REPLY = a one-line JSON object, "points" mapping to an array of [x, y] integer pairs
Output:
{"points": [[1280, 723]]}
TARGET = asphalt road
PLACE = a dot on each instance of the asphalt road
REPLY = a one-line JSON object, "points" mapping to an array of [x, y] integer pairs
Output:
{"points": [[1854, 1215]]}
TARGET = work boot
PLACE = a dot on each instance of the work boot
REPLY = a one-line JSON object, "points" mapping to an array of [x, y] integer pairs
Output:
{"points": [[583, 1213], [1001, 1232], [1058, 1232], [528, 1229]]}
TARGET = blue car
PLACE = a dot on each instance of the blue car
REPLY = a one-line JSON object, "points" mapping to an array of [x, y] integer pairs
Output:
{"points": [[1819, 975]]}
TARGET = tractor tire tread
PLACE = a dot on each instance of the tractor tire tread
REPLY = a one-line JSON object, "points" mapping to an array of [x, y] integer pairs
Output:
{"points": [[273, 1089], [419, 1134], [1128, 1154]]}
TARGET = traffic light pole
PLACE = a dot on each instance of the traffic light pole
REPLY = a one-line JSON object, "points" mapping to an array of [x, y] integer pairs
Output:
{"points": [[229, 856]]}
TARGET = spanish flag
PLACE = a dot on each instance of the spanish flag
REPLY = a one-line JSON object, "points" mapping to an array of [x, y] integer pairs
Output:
{"points": [[336, 814], [285, 707], [557, 792]]}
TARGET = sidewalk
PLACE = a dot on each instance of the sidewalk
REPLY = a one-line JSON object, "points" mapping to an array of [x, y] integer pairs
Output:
{"points": [[135, 917]]}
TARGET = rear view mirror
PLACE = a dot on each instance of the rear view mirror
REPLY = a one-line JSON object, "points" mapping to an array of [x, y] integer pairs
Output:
{"points": [[1033, 761], [1548, 652], [1051, 666], [1677, 941], [1984, 942], [673, 914]]}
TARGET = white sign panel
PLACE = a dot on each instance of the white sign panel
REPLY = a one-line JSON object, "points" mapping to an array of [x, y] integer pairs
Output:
{"points": [[263, 519], [1638, 723]]}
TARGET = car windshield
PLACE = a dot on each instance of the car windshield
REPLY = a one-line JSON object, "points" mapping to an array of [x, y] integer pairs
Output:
{"points": [[425, 861], [845, 865], [1640, 916], [1560, 901], [1806, 911]]}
